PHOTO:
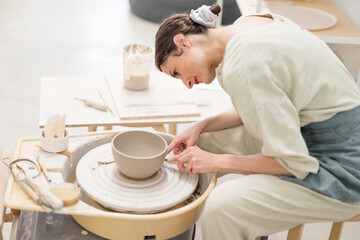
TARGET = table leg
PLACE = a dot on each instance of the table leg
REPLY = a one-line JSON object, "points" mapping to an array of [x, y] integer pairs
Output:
{"points": [[8, 216], [14, 227], [4, 170], [108, 127], [172, 128], [92, 128], [159, 128]]}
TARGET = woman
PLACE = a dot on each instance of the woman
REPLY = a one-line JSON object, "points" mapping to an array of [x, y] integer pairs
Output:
{"points": [[294, 129]]}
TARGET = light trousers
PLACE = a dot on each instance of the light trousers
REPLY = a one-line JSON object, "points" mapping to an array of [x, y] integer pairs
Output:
{"points": [[258, 204]]}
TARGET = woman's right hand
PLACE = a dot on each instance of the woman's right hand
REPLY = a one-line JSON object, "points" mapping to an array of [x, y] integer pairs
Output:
{"points": [[185, 140]]}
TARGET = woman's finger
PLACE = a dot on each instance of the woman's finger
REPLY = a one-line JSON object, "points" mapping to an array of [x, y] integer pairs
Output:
{"points": [[189, 166], [173, 159], [179, 149], [183, 160], [181, 166], [171, 146]]}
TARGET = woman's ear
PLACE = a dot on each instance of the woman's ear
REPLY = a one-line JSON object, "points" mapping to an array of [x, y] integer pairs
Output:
{"points": [[181, 41]]}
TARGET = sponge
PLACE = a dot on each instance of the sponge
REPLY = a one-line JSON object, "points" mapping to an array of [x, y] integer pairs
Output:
{"points": [[68, 193]]}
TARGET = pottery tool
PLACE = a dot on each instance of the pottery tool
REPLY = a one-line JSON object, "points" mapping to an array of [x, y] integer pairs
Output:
{"points": [[68, 193], [103, 100], [46, 196], [112, 97], [44, 170], [92, 104], [24, 177]]}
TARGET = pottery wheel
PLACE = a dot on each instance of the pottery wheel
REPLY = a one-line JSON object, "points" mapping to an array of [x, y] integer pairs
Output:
{"points": [[112, 189]]}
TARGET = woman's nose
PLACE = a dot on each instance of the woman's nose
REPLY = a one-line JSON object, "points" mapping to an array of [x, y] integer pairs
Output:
{"points": [[187, 83]]}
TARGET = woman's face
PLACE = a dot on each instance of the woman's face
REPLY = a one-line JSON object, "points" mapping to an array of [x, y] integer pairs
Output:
{"points": [[191, 67]]}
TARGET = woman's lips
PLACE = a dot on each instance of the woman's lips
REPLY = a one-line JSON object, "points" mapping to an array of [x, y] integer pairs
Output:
{"points": [[196, 81]]}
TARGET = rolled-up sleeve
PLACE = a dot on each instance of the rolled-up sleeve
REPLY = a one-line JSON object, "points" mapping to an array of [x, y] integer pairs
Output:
{"points": [[262, 97]]}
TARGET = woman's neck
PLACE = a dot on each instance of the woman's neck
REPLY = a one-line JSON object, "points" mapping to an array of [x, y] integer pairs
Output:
{"points": [[217, 45], [219, 37], [224, 34]]}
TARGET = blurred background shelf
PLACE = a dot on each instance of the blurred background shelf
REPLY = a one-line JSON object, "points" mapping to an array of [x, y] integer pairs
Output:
{"points": [[344, 30]]}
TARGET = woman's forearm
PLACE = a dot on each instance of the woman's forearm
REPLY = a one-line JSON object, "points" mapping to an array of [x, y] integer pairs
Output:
{"points": [[222, 121], [249, 164]]}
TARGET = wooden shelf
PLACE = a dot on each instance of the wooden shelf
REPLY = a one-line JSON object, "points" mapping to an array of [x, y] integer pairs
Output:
{"points": [[343, 32]]}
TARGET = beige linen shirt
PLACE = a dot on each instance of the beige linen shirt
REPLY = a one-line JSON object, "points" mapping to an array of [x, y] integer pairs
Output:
{"points": [[281, 77]]}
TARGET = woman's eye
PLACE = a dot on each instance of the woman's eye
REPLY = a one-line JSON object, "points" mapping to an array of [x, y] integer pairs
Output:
{"points": [[176, 73]]}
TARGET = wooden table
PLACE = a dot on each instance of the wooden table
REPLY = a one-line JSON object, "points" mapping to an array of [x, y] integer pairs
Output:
{"points": [[57, 95], [344, 32]]}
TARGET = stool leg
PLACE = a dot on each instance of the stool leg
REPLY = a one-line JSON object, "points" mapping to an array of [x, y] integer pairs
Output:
{"points": [[262, 238], [336, 230], [295, 232]]}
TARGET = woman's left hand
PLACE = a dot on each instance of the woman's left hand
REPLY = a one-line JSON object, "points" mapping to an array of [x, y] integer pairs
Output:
{"points": [[194, 160]]}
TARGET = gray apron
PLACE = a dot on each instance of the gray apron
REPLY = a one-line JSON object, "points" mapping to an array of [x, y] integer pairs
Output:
{"points": [[335, 143]]}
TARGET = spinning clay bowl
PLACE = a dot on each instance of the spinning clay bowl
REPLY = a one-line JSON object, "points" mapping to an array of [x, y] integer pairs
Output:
{"points": [[139, 154]]}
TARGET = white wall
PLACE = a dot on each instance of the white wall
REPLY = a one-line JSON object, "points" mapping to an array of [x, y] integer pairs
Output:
{"points": [[349, 53], [351, 8]]}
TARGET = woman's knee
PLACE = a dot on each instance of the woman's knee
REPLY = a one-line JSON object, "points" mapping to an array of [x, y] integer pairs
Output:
{"points": [[241, 197], [226, 199]]}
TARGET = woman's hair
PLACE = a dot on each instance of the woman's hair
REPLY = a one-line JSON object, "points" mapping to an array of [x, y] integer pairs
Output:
{"points": [[180, 23]]}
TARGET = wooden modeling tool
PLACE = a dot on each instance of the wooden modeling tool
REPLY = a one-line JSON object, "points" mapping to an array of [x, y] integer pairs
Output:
{"points": [[112, 96], [103, 100], [43, 169], [96, 105]]}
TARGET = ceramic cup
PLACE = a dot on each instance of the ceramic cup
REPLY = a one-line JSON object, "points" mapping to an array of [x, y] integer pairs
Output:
{"points": [[54, 145], [137, 66], [139, 154]]}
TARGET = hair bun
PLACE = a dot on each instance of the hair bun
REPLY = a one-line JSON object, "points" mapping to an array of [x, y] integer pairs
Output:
{"points": [[215, 9]]}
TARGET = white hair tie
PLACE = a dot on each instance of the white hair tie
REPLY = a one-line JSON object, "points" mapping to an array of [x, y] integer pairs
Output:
{"points": [[204, 16]]}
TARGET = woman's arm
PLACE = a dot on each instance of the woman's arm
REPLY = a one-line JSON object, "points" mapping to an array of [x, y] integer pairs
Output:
{"points": [[221, 121], [196, 160], [190, 136], [249, 164]]}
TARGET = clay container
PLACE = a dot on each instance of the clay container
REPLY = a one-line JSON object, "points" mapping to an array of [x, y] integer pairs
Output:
{"points": [[138, 60], [54, 145], [138, 154]]}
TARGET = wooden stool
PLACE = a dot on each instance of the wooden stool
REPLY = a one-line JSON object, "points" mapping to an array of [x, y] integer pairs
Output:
{"points": [[337, 227], [295, 233]]}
